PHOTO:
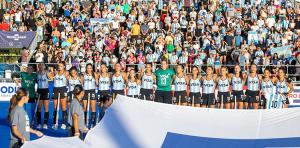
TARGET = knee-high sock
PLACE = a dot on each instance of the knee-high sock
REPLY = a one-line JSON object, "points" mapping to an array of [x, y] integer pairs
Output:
{"points": [[85, 117], [93, 118], [46, 117], [54, 117], [39, 117], [64, 117]]}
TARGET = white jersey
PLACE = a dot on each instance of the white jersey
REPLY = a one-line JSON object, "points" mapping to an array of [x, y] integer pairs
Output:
{"points": [[118, 82], [147, 81], [42, 81], [89, 82], [223, 85], [253, 83], [281, 87], [195, 85], [267, 86], [104, 83], [60, 80], [133, 89], [73, 83], [237, 83], [208, 86], [180, 84]]}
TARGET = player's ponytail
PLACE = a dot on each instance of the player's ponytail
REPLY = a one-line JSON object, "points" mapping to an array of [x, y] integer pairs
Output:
{"points": [[14, 100]]}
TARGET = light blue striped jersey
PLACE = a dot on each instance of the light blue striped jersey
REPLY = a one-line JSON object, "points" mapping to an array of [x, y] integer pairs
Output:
{"points": [[60, 80], [253, 83], [267, 86], [195, 85], [208, 86], [118, 82], [89, 82], [276, 101], [223, 85], [104, 83], [179, 83], [147, 81], [73, 82], [133, 88], [281, 87], [237, 83], [42, 81]]}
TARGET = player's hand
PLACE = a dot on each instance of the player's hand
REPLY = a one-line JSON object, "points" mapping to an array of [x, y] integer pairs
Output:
{"points": [[23, 139], [39, 134], [77, 134]]}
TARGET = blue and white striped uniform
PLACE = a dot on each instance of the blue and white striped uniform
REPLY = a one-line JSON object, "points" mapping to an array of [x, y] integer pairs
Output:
{"points": [[89, 82], [133, 89], [195, 85], [180, 84], [60, 80], [147, 81], [104, 83], [237, 84], [42, 81], [208, 86], [253, 83], [276, 101], [281, 87], [183, 59], [118, 82], [223, 85], [267, 86], [73, 83]]}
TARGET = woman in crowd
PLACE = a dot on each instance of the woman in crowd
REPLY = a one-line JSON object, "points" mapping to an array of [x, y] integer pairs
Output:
{"points": [[253, 82], [208, 88], [73, 81], [195, 83], [19, 120], [76, 113], [284, 87], [60, 93], [147, 83], [237, 88], [180, 82], [43, 92], [119, 80], [223, 89], [133, 85], [89, 85]]}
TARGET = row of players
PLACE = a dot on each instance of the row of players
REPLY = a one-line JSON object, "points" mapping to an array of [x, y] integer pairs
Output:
{"points": [[201, 88]]}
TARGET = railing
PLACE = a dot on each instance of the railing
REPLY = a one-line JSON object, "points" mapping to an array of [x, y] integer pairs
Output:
{"points": [[15, 68]]}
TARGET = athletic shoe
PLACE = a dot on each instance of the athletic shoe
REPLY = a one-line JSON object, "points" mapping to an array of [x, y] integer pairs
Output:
{"points": [[45, 126], [54, 126], [39, 126], [63, 126]]}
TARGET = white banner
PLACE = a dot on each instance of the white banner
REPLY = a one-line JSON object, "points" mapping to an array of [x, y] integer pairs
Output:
{"points": [[294, 97], [7, 90], [138, 123]]}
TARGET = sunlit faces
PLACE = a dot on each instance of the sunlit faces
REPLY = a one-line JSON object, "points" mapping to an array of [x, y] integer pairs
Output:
{"points": [[281, 73], [131, 73], [195, 71], [267, 73], [164, 65], [253, 68], [237, 69], [209, 70], [73, 73], [179, 69], [224, 71], [103, 68], [89, 69], [118, 67]]}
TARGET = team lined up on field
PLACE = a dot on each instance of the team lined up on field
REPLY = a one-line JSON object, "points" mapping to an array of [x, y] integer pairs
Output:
{"points": [[195, 90]]}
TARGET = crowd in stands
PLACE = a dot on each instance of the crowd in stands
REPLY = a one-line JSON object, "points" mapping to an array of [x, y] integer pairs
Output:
{"points": [[190, 32]]}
